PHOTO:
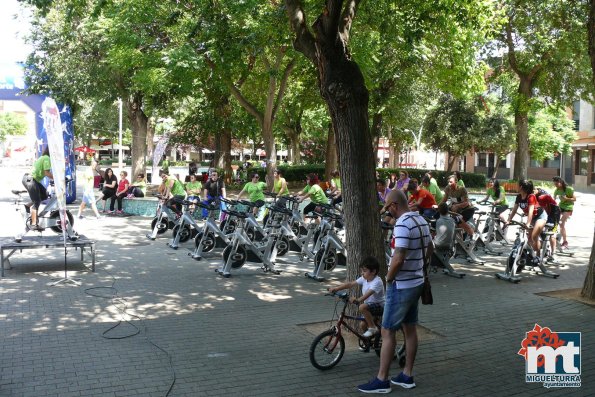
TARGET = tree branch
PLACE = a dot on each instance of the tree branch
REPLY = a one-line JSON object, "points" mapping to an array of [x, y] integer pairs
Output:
{"points": [[288, 69], [304, 41], [249, 107], [347, 19], [511, 51]]}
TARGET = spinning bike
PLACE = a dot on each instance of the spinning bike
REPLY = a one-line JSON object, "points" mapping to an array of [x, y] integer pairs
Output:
{"points": [[331, 252], [164, 219], [48, 216], [522, 257], [242, 249]]}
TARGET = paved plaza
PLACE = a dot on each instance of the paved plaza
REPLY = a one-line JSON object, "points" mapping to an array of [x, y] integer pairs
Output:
{"points": [[247, 335]]}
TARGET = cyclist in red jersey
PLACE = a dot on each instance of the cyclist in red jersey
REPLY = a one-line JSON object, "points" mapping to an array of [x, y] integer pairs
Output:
{"points": [[536, 216]]}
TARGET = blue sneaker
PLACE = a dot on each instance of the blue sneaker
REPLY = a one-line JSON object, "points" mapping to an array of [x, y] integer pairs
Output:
{"points": [[403, 381], [375, 386]]}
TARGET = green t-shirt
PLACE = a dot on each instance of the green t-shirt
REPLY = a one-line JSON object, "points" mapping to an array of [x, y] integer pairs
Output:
{"points": [[177, 189], [460, 183], [435, 191], [565, 205], [337, 182], [142, 185], [306, 190], [277, 187], [193, 188], [317, 194], [492, 194], [41, 164], [255, 190]]}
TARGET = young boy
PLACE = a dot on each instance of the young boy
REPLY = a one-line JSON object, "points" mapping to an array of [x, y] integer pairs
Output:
{"points": [[372, 293]]}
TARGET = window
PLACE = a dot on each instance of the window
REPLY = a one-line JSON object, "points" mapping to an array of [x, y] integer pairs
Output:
{"points": [[482, 159], [535, 163], [502, 163], [553, 163], [582, 162]]}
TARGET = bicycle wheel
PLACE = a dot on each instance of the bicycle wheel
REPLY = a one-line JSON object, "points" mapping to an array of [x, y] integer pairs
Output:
{"points": [[330, 261], [55, 217], [282, 245], [208, 243], [238, 259], [185, 233], [327, 350], [228, 226], [163, 225]]}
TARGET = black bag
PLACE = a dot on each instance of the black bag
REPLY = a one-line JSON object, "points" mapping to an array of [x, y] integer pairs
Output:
{"points": [[426, 291]]}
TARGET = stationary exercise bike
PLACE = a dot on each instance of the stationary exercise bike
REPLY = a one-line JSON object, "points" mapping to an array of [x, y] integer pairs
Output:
{"points": [[48, 215]]}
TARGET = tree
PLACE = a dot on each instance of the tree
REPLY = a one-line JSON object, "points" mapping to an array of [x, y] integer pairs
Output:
{"points": [[497, 133], [588, 290], [544, 48], [550, 133], [12, 124], [452, 126]]}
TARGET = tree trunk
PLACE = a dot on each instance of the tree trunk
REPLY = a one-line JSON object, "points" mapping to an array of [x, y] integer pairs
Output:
{"points": [[591, 35], [296, 156], [521, 122], [138, 121], [452, 159], [376, 133], [588, 290], [344, 90], [222, 112], [150, 135], [331, 157], [271, 152]]}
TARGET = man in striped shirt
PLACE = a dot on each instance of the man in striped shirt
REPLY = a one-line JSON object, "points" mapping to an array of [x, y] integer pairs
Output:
{"points": [[404, 282]]}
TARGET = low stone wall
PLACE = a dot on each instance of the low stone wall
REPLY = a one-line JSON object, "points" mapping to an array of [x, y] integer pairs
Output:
{"points": [[145, 206]]}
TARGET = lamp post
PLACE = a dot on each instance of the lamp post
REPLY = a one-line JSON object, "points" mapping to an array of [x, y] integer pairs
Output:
{"points": [[120, 135]]}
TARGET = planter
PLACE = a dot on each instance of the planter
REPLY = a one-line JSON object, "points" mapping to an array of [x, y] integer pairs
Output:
{"points": [[510, 187]]}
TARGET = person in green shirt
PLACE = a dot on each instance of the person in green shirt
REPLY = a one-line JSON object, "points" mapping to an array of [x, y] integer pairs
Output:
{"points": [[314, 192], [255, 190], [460, 182], [497, 194], [165, 165], [280, 184], [433, 189], [336, 196], [32, 182], [138, 187], [566, 197], [193, 188], [174, 191]]}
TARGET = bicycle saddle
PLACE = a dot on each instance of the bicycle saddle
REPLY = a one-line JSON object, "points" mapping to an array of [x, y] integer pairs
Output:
{"points": [[18, 191]]}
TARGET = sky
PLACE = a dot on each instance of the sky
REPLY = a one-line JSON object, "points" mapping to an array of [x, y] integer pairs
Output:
{"points": [[12, 46]]}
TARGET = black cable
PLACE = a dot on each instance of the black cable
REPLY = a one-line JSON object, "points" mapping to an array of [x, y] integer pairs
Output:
{"points": [[116, 300]]}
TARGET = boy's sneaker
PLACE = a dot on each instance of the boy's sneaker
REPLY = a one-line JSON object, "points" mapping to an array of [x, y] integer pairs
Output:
{"points": [[375, 386], [564, 246], [119, 212], [551, 259], [370, 332], [81, 217], [403, 381]]}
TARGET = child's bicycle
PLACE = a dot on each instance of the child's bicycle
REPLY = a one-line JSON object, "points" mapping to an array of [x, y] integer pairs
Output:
{"points": [[327, 348]]}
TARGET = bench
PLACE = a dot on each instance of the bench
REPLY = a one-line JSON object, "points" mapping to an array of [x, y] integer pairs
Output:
{"points": [[141, 206]]}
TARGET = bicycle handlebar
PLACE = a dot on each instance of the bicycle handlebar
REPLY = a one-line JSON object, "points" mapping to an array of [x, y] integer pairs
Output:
{"points": [[339, 294]]}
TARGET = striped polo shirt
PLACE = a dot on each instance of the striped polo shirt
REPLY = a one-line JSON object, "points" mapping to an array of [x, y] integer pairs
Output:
{"points": [[406, 234]]}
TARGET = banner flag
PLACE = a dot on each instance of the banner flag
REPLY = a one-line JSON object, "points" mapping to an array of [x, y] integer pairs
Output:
{"points": [[157, 155], [55, 137]]}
